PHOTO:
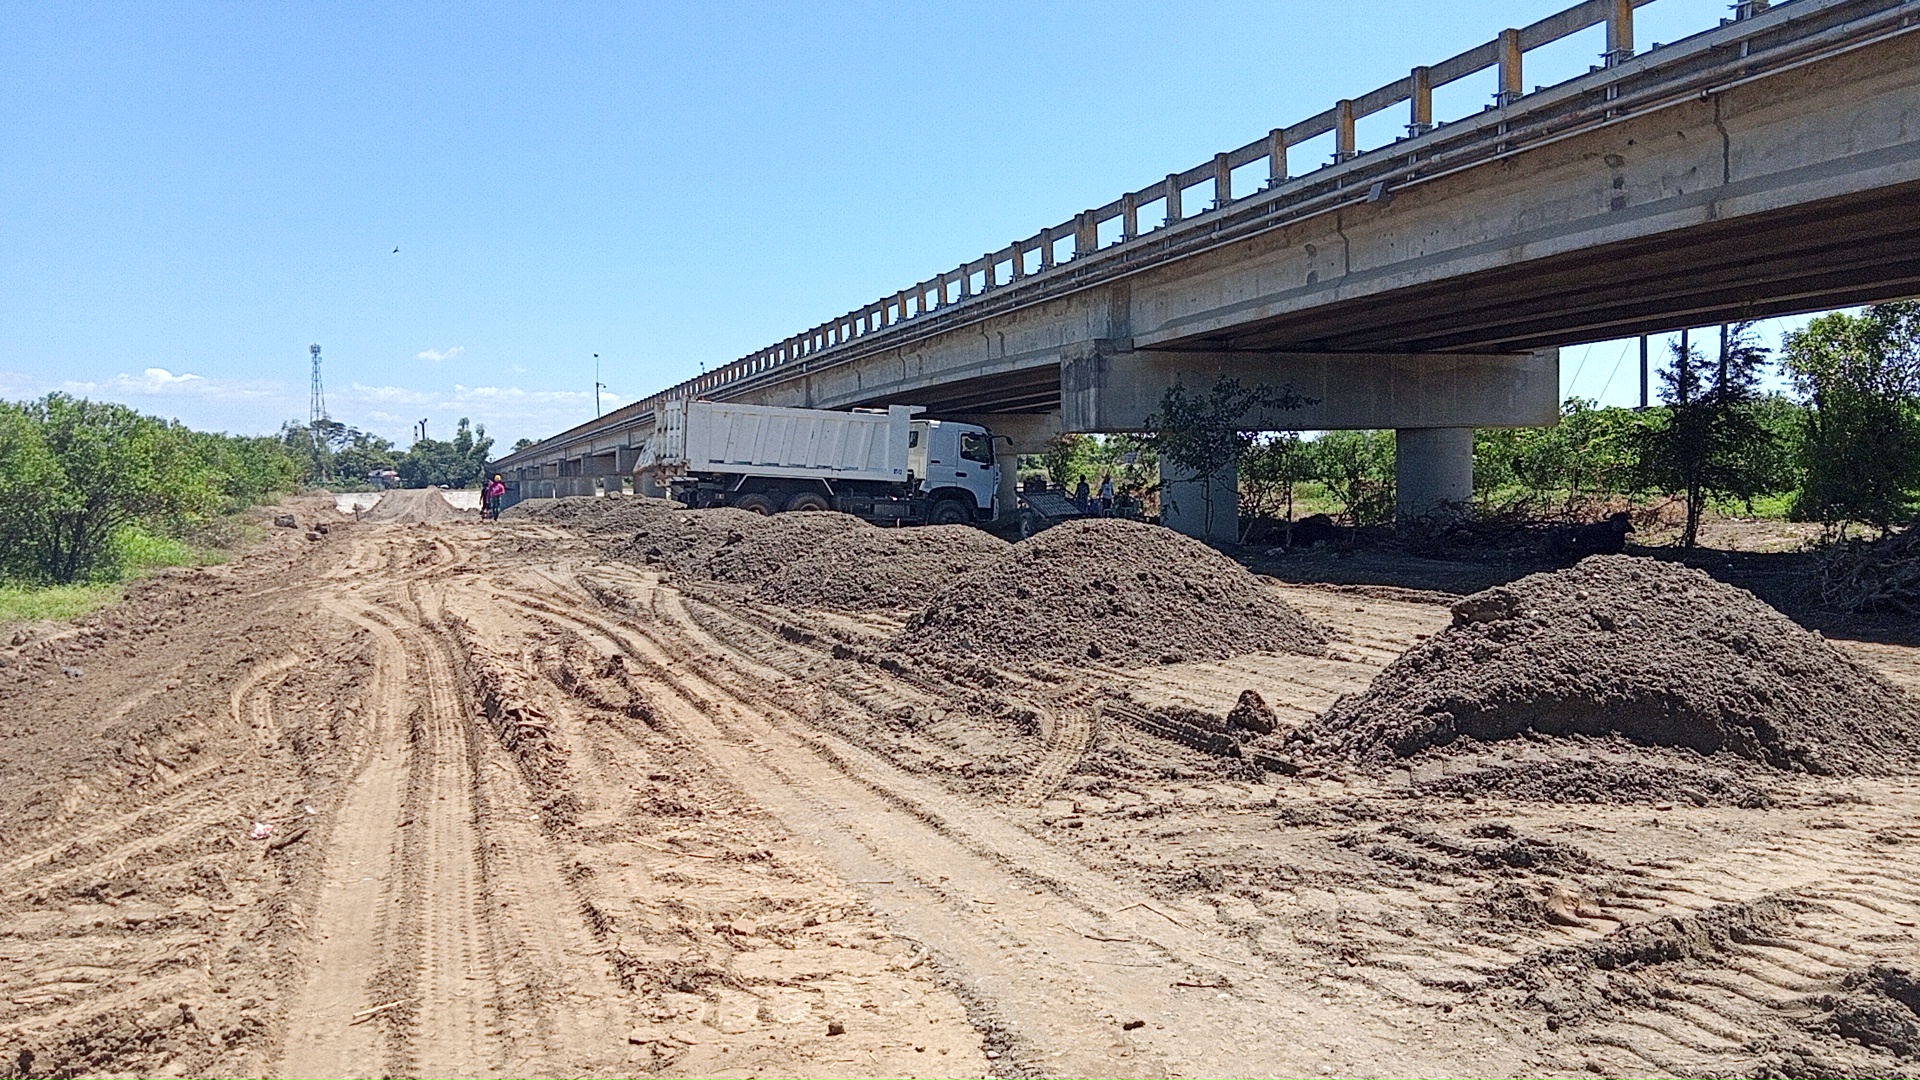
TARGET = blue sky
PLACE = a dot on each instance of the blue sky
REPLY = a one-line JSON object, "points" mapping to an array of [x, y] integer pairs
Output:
{"points": [[190, 194]]}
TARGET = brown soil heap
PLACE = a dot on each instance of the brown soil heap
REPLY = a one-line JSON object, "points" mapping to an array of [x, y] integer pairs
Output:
{"points": [[814, 559], [1657, 652], [867, 568], [403, 506], [1113, 591]]}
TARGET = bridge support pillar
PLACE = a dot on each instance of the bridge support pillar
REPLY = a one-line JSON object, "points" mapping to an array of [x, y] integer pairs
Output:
{"points": [[1007, 501], [1432, 471], [1184, 507]]}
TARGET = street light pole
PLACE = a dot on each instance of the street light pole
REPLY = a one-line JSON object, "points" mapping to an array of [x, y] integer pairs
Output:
{"points": [[597, 384]]}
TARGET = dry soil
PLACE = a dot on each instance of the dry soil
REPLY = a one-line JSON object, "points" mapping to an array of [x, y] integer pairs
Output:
{"points": [[530, 807]]}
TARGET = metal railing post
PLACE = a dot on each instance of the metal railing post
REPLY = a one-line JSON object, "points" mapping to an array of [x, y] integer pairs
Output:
{"points": [[1173, 197], [1129, 216], [1511, 86], [1420, 98], [1276, 156], [1619, 32], [1222, 181]]}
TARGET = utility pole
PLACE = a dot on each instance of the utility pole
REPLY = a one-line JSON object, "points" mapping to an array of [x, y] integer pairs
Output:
{"points": [[1643, 373], [597, 384]]}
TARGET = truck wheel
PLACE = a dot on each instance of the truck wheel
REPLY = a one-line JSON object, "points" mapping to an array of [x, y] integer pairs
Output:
{"points": [[808, 500], [949, 512], [755, 503]]}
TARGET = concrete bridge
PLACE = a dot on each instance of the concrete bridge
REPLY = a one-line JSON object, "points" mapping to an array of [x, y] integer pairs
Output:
{"points": [[1767, 166]]}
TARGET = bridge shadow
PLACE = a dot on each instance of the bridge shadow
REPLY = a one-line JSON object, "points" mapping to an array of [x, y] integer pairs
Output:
{"points": [[1783, 579]]}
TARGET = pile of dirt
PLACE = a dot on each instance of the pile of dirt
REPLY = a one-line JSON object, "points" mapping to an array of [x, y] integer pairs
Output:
{"points": [[871, 569], [597, 514], [1879, 576], [1659, 653], [1112, 591], [815, 559], [408, 506], [1877, 1007]]}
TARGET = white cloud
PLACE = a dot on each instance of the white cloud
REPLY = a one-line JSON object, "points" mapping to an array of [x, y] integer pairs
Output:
{"points": [[159, 382], [437, 355]]}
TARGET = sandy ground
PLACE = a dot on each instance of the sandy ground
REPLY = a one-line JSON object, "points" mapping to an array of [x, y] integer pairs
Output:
{"points": [[534, 813]]}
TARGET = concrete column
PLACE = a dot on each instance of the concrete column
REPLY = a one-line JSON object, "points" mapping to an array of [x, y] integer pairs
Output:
{"points": [[1432, 471], [1183, 507], [1007, 500]]}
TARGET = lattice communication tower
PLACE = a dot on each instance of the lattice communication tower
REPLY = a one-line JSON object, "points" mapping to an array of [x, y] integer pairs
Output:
{"points": [[318, 408]]}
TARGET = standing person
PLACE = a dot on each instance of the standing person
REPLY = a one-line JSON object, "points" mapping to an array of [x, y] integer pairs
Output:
{"points": [[1082, 494], [490, 497], [1106, 494]]}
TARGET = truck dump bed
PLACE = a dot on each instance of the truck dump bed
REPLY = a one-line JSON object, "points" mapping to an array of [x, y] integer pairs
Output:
{"points": [[761, 440]]}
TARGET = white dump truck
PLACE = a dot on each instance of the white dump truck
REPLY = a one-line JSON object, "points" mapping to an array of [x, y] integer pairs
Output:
{"points": [[885, 465]]}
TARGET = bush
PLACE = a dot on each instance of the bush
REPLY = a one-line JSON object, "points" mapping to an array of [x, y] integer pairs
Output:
{"points": [[81, 480]]}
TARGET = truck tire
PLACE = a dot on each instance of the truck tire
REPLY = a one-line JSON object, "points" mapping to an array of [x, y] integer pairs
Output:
{"points": [[809, 500], [949, 512], [754, 503]]}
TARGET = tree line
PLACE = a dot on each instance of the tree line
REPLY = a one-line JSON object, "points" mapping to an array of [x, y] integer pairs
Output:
{"points": [[339, 457], [86, 486]]}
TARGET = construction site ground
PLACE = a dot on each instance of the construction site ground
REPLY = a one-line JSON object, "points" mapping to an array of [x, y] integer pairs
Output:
{"points": [[525, 810]]}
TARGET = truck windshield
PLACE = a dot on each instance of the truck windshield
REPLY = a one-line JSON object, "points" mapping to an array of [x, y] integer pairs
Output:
{"points": [[976, 447]]}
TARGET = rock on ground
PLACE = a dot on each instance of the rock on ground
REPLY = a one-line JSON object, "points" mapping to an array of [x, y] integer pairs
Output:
{"points": [[1112, 591], [1659, 653]]}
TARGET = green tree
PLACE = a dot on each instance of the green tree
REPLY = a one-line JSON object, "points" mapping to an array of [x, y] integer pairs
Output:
{"points": [[1707, 442], [1065, 459], [1860, 377], [1199, 436], [1592, 453], [1270, 471], [76, 471], [1357, 469], [456, 463]]}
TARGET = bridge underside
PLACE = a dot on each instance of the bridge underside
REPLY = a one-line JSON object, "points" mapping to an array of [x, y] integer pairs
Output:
{"points": [[1435, 299]]}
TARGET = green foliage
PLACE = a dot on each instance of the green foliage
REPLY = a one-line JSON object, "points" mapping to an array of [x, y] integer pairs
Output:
{"points": [[457, 463], [1271, 471], [1197, 436], [1357, 469], [31, 603], [77, 475], [1066, 459], [332, 454], [1860, 454], [1591, 453], [521, 444], [1710, 441]]}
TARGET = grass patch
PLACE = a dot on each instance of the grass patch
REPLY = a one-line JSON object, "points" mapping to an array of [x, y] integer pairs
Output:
{"points": [[36, 603], [137, 549]]}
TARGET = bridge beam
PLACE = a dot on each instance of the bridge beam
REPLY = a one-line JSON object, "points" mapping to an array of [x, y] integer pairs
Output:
{"points": [[1109, 386]]}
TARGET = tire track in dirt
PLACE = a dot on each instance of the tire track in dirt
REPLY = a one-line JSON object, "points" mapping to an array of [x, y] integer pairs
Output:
{"points": [[1070, 719], [352, 926], [1002, 910]]}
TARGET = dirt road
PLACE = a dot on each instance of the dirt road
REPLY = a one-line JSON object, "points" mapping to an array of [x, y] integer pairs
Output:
{"points": [[535, 812]]}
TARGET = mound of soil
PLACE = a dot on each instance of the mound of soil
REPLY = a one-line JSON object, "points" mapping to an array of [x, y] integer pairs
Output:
{"points": [[1112, 591], [1877, 1007], [1659, 653], [410, 506], [872, 569], [614, 513], [814, 559]]}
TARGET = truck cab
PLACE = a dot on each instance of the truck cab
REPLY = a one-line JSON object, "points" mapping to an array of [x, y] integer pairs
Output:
{"points": [[953, 466]]}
